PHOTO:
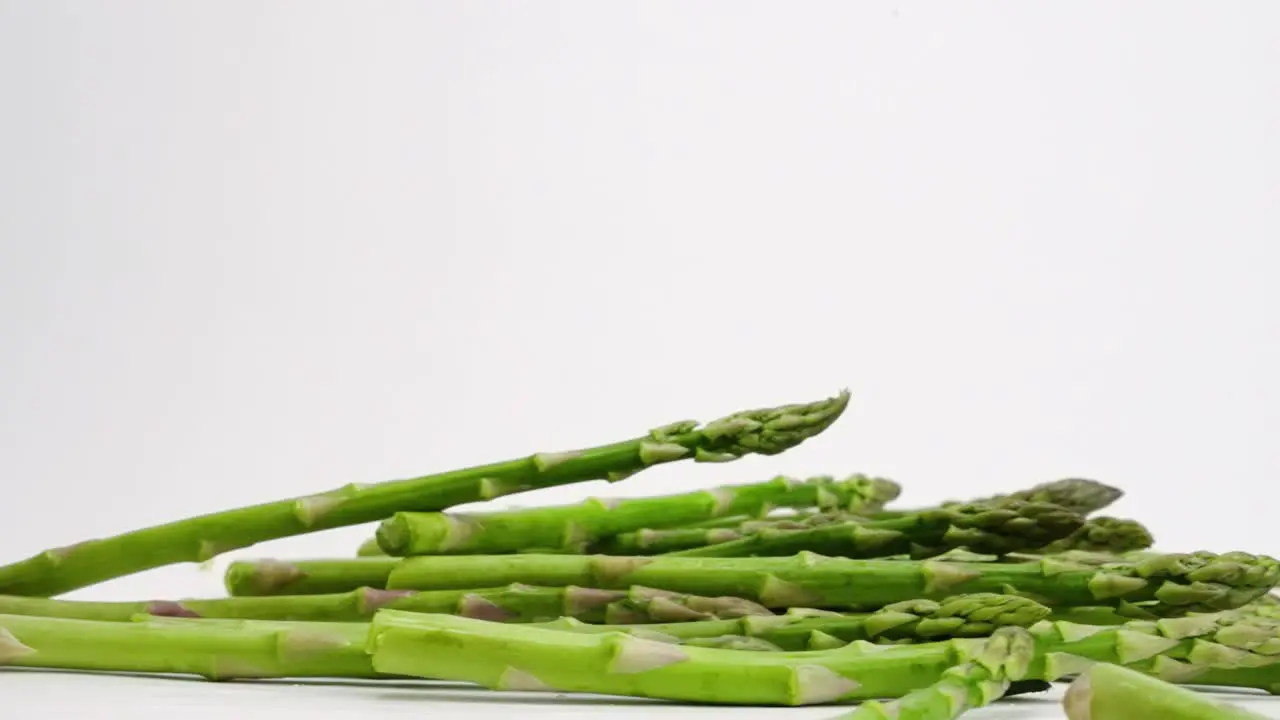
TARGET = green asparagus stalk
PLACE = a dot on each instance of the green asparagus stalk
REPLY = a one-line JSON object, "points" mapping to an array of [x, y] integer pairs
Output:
{"points": [[959, 616], [513, 603], [573, 528], [1001, 529], [1099, 534], [1112, 692], [532, 658], [1003, 659], [1219, 650], [765, 431], [1168, 584], [258, 578], [213, 650]]}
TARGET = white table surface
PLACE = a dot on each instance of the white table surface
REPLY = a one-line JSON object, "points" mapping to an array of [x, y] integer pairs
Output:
{"points": [[87, 697]]}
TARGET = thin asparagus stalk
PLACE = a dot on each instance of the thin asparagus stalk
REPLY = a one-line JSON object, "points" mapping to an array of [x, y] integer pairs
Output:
{"points": [[1219, 650], [573, 528], [998, 529], [1168, 584], [986, 678], [216, 651], [1112, 692], [959, 616], [197, 539], [513, 603]]}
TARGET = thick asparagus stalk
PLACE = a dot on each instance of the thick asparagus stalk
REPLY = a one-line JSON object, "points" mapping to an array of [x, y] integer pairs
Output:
{"points": [[981, 681], [574, 528], [1211, 650], [959, 616], [513, 603], [256, 578], [765, 431], [532, 658], [998, 529], [214, 650], [1166, 584], [1112, 692]]}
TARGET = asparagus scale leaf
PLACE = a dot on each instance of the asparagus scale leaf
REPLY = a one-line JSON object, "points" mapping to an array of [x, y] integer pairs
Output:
{"points": [[764, 431], [573, 528]]}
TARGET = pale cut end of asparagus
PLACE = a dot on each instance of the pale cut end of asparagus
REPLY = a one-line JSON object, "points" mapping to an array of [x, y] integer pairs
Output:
{"points": [[1075, 701]]}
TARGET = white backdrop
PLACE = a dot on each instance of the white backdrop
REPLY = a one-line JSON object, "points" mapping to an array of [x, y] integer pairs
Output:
{"points": [[254, 250]]}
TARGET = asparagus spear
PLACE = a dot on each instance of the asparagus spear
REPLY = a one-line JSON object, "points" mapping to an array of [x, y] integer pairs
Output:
{"points": [[532, 658], [1111, 692], [574, 527], [1170, 584], [1103, 534], [976, 615], [513, 603], [1217, 650], [213, 650], [764, 431], [981, 681], [995, 529]]}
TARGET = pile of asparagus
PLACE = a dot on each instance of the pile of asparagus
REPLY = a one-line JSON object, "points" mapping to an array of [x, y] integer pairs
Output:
{"points": [[783, 592]]}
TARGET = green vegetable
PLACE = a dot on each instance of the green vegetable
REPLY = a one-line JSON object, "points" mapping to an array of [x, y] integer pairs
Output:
{"points": [[977, 615], [523, 657], [514, 603], [256, 578], [1226, 649], [998, 529], [1110, 692], [1104, 534], [973, 684], [1168, 584], [1080, 495], [573, 528], [217, 650], [197, 539]]}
